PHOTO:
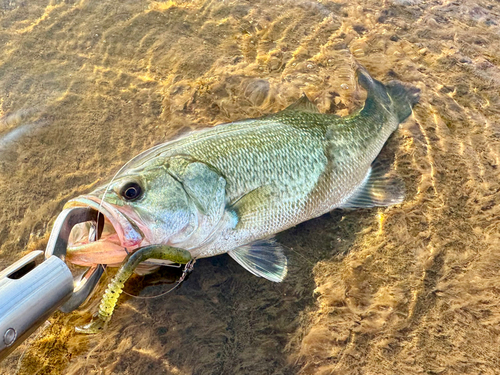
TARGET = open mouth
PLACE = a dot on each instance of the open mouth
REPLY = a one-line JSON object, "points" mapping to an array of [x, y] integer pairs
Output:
{"points": [[120, 236]]}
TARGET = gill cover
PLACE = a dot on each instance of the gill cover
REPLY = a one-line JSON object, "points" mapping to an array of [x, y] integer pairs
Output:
{"points": [[182, 201], [206, 188]]}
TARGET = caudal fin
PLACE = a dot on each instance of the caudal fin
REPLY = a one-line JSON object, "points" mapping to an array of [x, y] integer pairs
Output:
{"points": [[403, 98], [394, 96]]}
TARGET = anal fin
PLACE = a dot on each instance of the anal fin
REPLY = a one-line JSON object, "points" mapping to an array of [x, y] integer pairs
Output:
{"points": [[379, 188], [263, 258]]}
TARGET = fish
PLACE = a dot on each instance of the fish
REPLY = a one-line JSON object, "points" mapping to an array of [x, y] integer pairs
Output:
{"points": [[231, 188]]}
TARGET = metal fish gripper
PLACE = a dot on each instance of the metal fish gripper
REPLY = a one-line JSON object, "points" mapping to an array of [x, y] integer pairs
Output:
{"points": [[38, 284]]}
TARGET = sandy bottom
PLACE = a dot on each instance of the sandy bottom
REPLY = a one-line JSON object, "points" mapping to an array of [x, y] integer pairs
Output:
{"points": [[411, 289]]}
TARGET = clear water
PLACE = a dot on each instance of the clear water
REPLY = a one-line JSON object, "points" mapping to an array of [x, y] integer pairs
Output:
{"points": [[86, 85]]}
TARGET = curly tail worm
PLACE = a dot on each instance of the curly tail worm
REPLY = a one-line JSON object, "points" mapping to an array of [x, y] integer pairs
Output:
{"points": [[115, 287]]}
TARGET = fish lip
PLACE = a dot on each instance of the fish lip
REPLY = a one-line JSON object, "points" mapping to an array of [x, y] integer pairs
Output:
{"points": [[128, 233]]}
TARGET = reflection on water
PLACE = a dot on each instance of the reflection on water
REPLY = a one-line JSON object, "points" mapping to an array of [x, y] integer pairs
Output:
{"points": [[86, 85]]}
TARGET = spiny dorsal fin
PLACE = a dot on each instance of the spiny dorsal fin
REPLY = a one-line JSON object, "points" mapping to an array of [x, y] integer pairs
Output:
{"points": [[263, 258], [378, 189], [303, 105]]}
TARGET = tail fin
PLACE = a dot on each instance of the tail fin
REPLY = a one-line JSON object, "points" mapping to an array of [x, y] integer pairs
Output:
{"points": [[403, 97]]}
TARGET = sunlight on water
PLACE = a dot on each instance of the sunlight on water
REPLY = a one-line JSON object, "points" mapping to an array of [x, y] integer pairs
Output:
{"points": [[86, 85]]}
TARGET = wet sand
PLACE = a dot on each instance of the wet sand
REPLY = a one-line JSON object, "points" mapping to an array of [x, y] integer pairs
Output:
{"points": [[410, 289]]}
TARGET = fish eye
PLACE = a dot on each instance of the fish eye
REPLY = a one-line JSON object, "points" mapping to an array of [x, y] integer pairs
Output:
{"points": [[131, 191]]}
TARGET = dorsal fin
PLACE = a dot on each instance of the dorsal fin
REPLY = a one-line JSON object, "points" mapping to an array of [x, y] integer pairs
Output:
{"points": [[303, 105]]}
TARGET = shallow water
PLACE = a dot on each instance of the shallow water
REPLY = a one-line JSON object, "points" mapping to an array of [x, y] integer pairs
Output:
{"points": [[86, 85]]}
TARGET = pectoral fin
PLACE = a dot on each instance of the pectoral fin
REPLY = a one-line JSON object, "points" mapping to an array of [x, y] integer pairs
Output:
{"points": [[263, 258], [378, 189]]}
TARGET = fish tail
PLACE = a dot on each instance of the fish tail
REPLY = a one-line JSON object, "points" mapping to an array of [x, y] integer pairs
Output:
{"points": [[403, 98], [393, 96]]}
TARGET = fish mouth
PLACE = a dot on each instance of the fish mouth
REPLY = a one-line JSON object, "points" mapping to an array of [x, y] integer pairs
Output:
{"points": [[120, 237]]}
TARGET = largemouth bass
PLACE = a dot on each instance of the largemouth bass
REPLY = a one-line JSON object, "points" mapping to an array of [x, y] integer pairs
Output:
{"points": [[229, 188]]}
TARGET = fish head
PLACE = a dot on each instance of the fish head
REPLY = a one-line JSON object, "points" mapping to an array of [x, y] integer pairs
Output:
{"points": [[144, 207]]}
